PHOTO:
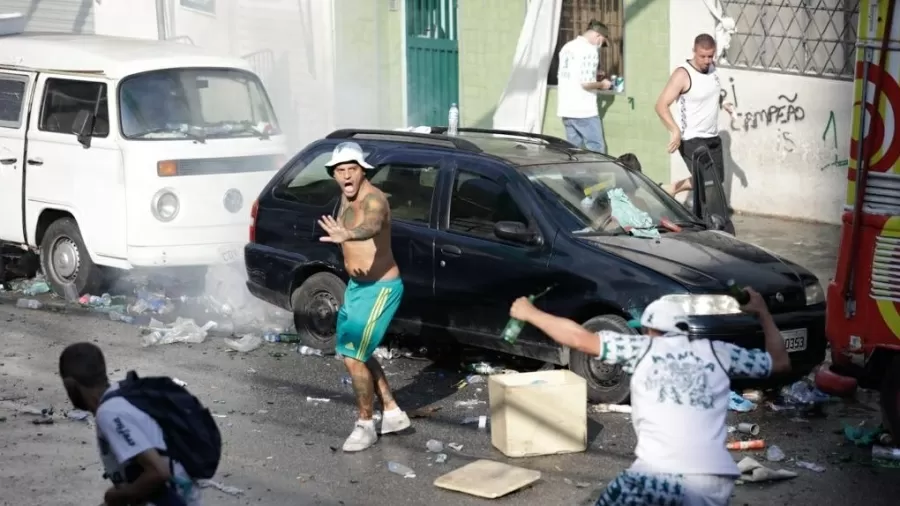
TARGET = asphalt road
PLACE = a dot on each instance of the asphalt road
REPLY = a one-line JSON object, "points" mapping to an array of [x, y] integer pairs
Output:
{"points": [[282, 449]]}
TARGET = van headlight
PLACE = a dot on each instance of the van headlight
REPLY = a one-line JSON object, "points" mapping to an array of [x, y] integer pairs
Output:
{"points": [[814, 294], [704, 305], [165, 205]]}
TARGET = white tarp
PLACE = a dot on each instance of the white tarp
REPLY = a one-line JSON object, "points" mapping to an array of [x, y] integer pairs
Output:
{"points": [[522, 104]]}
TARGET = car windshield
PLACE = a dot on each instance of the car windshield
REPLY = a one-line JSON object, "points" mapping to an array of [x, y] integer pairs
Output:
{"points": [[606, 198], [195, 104]]}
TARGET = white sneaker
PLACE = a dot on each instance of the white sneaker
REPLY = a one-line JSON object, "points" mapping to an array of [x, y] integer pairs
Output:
{"points": [[362, 437], [394, 421]]}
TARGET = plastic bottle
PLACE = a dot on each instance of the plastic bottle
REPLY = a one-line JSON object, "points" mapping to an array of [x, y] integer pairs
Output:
{"points": [[119, 317], [434, 446], [29, 304], [286, 337], [738, 292], [306, 350], [885, 453], [514, 327], [398, 468], [272, 337], [453, 120]]}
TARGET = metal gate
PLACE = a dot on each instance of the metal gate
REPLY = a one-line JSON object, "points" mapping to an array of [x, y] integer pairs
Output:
{"points": [[432, 60], [67, 16]]}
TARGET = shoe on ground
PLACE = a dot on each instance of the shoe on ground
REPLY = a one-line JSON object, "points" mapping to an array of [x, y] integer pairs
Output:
{"points": [[362, 437], [394, 421]]}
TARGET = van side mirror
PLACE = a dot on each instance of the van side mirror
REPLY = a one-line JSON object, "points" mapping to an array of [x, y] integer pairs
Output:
{"points": [[83, 127], [515, 231]]}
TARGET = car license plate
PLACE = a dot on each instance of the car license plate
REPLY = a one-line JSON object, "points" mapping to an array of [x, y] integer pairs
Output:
{"points": [[794, 340]]}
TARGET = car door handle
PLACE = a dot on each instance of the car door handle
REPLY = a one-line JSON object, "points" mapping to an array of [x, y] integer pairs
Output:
{"points": [[35, 161], [8, 161], [451, 251]]}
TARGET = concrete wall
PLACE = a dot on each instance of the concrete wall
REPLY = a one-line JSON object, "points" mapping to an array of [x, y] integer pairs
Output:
{"points": [[126, 18], [787, 150]]}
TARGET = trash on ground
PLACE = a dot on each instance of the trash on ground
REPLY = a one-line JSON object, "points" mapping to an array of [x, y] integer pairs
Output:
{"points": [[810, 466], [802, 393], [747, 428], [30, 287], [317, 399], [306, 350], [860, 435], [246, 344], [179, 382], [754, 472], [468, 404], [220, 487], [612, 408], [485, 368], [77, 414], [753, 395], [775, 454], [885, 453], [487, 479], [755, 444], [579, 484], [434, 446], [119, 317], [480, 420], [455, 446], [739, 404], [29, 304], [398, 468], [424, 411], [43, 420], [440, 458], [184, 330]]}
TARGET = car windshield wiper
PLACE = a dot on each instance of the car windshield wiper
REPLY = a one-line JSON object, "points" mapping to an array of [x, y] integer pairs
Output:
{"points": [[589, 232], [168, 130]]}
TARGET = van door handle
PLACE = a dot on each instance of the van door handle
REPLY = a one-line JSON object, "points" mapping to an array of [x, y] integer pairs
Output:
{"points": [[451, 251], [8, 161], [35, 161]]}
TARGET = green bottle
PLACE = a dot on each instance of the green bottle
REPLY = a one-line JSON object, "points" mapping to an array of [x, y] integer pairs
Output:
{"points": [[738, 292], [514, 327]]}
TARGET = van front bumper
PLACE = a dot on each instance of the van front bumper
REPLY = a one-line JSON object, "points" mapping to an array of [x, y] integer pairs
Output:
{"points": [[185, 255]]}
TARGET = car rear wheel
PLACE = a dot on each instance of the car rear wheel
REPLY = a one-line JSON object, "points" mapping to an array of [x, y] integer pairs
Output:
{"points": [[607, 384], [315, 304]]}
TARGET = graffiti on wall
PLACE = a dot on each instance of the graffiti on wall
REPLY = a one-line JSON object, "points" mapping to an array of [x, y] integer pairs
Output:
{"points": [[782, 110], [830, 138]]}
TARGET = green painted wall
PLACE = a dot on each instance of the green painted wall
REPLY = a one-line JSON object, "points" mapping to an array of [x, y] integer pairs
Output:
{"points": [[489, 30]]}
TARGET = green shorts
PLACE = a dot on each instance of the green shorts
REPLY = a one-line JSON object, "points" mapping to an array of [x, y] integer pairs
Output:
{"points": [[365, 316]]}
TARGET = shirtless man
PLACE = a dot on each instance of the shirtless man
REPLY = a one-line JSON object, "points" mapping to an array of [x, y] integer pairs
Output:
{"points": [[363, 229]]}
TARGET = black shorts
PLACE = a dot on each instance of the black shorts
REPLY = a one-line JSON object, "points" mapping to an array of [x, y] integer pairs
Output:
{"points": [[714, 144]]}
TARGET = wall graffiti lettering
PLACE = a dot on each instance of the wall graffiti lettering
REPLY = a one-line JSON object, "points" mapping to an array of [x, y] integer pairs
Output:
{"points": [[830, 136], [785, 141], [785, 110]]}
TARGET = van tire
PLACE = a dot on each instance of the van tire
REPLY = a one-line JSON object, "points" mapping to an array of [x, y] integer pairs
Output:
{"points": [[315, 304], [605, 384], [73, 264]]}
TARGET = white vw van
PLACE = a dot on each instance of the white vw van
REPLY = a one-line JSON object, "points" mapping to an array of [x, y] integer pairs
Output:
{"points": [[123, 153]]}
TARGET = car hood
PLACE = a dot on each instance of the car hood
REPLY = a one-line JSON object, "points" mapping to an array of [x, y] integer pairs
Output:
{"points": [[707, 259]]}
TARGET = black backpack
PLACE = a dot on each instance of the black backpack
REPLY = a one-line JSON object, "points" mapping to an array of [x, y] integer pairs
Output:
{"points": [[189, 429]]}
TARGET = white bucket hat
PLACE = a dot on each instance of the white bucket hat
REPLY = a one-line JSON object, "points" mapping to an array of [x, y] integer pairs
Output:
{"points": [[665, 316], [347, 152]]}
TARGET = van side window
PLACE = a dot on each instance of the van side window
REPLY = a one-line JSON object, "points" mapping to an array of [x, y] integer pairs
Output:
{"points": [[12, 98], [64, 98]]}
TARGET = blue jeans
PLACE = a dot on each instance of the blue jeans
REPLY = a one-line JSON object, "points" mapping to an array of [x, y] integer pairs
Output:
{"points": [[586, 132]]}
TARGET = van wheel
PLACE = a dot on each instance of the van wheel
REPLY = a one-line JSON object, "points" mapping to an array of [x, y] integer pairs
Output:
{"points": [[315, 304], [65, 259], [607, 384]]}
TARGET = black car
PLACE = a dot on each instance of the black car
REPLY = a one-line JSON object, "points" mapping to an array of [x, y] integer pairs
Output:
{"points": [[484, 217]]}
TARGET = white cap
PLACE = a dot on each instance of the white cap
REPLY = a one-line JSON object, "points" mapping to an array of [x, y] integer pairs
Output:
{"points": [[664, 316], [347, 152]]}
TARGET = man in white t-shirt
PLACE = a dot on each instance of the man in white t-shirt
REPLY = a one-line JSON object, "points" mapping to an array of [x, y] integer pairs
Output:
{"points": [[577, 87], [129, 440], [680, 389]]}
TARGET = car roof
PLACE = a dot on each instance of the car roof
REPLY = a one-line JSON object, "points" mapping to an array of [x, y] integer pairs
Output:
{"points": [[113, 57], [520, 149]]}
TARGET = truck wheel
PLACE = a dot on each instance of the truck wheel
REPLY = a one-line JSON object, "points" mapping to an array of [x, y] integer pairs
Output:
{"points": [[315, 304], [65, 260], [890, 399], [607, 384]]}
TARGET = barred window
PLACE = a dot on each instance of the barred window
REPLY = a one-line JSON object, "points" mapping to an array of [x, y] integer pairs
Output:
{"points": [[573, 21], [809, 37]]}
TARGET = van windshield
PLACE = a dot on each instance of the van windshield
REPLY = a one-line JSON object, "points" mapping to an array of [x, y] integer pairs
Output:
{"points": [[195, 103]]}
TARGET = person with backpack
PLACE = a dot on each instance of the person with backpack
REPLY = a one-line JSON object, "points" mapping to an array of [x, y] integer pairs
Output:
{"points": [[155, 438]]}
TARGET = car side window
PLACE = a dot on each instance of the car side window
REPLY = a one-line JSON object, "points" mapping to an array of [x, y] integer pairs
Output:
{"points": [[408, 189], [308, 182], [12, 100], [478, 203], [65, 98]]}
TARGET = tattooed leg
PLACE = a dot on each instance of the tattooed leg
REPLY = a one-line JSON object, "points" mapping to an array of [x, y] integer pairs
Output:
{"points": [[382, 389], [363, 387]]}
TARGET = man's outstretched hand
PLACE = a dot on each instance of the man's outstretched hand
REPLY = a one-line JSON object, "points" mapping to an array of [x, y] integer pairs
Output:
{"points": [[336, 232]]}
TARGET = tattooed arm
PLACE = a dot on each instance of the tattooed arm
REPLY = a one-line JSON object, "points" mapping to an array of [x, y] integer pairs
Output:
{"points": [[375, 212]]}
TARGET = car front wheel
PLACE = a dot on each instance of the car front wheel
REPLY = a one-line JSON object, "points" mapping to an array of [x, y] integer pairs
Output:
{"points": [[315, 304], [607, 384]]}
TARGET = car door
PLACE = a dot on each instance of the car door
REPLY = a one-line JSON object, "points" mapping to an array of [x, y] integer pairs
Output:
{"points": [[477, 274], [709, 201], [408, 178], [15, 97]]}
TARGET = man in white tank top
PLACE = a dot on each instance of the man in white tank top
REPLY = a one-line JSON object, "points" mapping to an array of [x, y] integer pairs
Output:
{"points": [[680, 387], [695, 85]]}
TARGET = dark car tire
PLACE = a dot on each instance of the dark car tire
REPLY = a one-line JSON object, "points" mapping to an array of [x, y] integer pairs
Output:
{"points": [[605, 383], [315, 304], [890, 399], [65, 259]]}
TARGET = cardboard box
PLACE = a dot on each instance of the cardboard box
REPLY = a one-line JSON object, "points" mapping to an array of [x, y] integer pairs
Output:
{"points": [[538, 413]]}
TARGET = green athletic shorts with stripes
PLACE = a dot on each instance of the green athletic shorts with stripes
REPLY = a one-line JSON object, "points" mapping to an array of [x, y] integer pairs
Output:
{"points": [[364, 318]]}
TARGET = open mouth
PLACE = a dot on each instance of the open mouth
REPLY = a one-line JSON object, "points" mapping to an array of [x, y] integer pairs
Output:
{"points": [[348, 186]]}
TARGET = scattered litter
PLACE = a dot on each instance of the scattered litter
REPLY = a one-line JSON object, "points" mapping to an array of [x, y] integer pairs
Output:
{"points": [[306, 350], [885, 454], [440, 458], [184, 330], [468, 404], [754, 472], [246, 344], [802, 393], [809, 465], [739, 404], [220, 487], [579, 484], [480, 420], [612, 408], [424, 411], [455, 446], [748, 428], [755, 444], [29, 304], [179, 382], [485, 368], [398, 468], [119, 317], [434, 446], [774, 454], [217, 415], [753, 395], [317, 399], [77, 414], [43, 420], [384, 354], [860, 435]]}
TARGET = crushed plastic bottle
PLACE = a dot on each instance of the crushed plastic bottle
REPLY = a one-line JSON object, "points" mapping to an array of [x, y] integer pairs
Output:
{"points": [[119, 317], [774, 454], [36, 286], [434, 446], [440, 458], [398, 468], [272, 337], [246, 344], [29, 304], [184, 330], [810, 466], [306, 350]]}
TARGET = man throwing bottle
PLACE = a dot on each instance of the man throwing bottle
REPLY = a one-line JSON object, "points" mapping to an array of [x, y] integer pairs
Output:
{"points": [[679, 394], [363, 229]]}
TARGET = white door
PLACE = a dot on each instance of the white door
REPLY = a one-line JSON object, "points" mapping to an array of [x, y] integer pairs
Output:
{"points": [[15, 91]]}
